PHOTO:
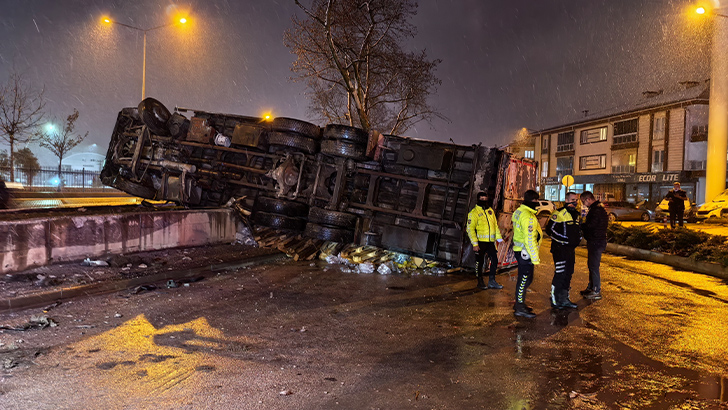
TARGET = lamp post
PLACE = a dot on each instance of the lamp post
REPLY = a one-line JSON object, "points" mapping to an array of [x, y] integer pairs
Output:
{"points": [[181, 20], [715, 169]]}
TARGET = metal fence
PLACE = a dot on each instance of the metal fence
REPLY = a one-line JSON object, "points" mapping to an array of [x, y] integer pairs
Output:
{"points": [[49, 178]]}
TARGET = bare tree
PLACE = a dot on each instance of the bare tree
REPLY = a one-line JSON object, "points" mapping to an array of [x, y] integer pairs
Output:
{"points": [[62, 141], [21, 111], [350, 54]]}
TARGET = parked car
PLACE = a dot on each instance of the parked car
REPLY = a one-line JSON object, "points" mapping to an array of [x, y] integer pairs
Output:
{"points": [[662, 213], [714, 208], [545, 207], [627, 211]]}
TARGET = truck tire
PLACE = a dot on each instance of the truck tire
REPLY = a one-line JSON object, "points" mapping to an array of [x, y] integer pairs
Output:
{"points": [[133, 188], [281, 207], [178, 126], [333, 218], [154, 115], [327, 233], [344, 132], [279, 221], [291, 140], [301, 127], [341, 148]]}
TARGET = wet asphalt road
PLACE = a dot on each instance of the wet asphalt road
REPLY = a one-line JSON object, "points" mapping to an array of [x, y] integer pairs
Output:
{"points": [[307, 336]]}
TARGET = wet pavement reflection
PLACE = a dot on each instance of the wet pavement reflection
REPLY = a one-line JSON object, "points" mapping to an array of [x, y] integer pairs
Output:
{"points": [[307, 335]]}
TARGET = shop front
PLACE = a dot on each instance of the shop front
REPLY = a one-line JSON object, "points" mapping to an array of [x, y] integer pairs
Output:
{"points": [[636, 187]]}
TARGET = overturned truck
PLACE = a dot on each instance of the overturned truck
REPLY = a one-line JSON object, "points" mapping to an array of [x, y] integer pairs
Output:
{"points": [[336, 184]]}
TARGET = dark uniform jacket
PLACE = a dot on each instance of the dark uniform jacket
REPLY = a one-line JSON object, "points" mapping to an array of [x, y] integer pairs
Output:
{"points": [[595, 225], [676, 199], [563, 228]]}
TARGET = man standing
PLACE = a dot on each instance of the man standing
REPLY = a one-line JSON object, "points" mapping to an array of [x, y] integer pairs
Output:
{"points": [[484, 234], [595, 233], [527, 237], [565, 232], [676, 204]]}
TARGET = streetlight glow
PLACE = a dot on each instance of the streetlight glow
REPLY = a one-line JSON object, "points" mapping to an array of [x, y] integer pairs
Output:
{"points": [[180, 20], [700, 10]]}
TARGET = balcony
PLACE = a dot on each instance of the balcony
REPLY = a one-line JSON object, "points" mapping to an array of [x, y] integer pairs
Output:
{"points": [[624, 139], [700, 133], [623, 169]]}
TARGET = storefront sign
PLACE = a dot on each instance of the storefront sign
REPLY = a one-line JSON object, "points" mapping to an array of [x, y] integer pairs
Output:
{"points": [[652, 177]]}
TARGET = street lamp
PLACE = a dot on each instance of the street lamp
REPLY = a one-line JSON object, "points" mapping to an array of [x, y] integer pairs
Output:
{"points": [[715, 169], [181, 20]]}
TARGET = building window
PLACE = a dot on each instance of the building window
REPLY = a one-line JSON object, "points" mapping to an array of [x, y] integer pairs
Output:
{"points": [[594, 135], [565, 142], [625, 132], [658, 160], [658, 128], [545, 169], [624, 161], [593, 162], [564, 166], [545, 144], [528, 154]]}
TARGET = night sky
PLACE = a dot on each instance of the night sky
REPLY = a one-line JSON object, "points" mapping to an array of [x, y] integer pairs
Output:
{"points": [[506, 64]]}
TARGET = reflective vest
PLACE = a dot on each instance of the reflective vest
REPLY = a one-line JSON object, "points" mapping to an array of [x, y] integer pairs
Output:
{"points": [[563, 228], [482, 226], [527, 232]]}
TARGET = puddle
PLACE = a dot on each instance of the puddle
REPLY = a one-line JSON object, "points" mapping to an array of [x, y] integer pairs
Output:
{"points": [[619, 374]]}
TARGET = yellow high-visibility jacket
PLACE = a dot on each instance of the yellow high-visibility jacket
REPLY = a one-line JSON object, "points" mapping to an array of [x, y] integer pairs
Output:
{"points": [[482, 226], [527, 232]]}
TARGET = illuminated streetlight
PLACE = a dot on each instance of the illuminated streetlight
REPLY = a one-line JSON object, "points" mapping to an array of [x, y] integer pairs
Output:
{"points": [[700, 10], [181, 20]]}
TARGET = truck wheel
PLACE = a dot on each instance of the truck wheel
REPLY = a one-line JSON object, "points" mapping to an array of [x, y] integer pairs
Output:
{"points": [[133, 188], [341, 148], [327, 233], [612, 217], [178, 126], [281, 207], [333, 218], [646, 217], [301, 127], [279, 221], [154, 115], [290, 140], [344, 132]]}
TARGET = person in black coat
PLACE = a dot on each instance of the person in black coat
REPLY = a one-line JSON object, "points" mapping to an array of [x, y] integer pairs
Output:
{"points": [[676, 204], [594, 229]]}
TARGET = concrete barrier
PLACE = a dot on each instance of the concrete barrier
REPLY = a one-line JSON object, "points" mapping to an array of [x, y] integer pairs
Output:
{"points": [[40, 241], [680, 262]]}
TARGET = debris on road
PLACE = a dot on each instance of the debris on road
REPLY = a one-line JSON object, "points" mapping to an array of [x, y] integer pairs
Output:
{"points": [[35, 322], [90, 262], [143, 288]]}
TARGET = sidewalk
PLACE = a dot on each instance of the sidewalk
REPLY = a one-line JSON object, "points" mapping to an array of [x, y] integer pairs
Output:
{"points": [[45, 285]]}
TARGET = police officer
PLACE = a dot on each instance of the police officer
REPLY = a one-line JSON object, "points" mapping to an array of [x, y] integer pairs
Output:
{"points": [[527, 237], [565, 232], [484, 234]]}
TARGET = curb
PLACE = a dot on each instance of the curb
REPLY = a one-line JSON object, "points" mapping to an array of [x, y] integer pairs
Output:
{"points": [[44, 298], [680, 262]]}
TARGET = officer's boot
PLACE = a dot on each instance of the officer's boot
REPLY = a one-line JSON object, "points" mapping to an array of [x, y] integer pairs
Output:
{"points": [[520, 309], [492, 284], [481, 282], [556, 302], [565, 302]]}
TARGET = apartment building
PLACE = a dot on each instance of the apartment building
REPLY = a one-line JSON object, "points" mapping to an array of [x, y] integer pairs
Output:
{"points": [[633, 153]]}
